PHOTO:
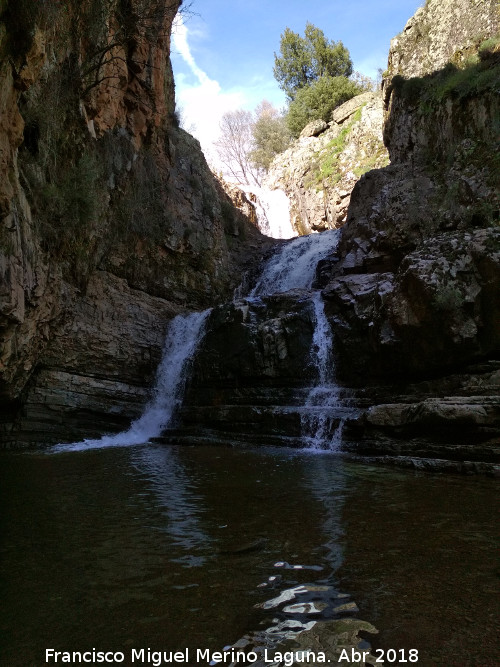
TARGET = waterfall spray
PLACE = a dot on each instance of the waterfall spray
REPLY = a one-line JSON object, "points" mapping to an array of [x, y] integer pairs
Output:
{"points": [[321, 426], [292, 267], [183, 337], [273, 212]]}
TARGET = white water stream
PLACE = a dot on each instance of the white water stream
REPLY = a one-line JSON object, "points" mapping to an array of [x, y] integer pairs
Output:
{"points": [[273, 212], [183, 337], [292, 267], [322, 402]]}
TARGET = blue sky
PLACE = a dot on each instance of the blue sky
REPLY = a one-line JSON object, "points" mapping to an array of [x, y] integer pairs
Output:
{"points": [[223, 53]]}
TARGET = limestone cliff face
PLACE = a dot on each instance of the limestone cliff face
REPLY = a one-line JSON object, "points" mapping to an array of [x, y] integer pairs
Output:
{"points": [[320, 169], [440, 33], [111, 221], [413, 292]]}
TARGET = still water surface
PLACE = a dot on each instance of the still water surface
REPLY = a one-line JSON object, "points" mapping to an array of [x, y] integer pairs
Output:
{"points": [[168, 548]]}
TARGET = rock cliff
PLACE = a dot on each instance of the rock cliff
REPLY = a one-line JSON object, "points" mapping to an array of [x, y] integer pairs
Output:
{"points": [[320, 169], [440, 33], [111, 221], [414, 290]]}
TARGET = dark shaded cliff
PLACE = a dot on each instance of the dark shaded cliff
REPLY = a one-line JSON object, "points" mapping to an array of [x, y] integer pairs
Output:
{"points": [[421, 245], [111, 221], [412, 293]]}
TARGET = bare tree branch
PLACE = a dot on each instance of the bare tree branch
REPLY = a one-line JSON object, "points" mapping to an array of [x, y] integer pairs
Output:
{"points": [[235, 145]]}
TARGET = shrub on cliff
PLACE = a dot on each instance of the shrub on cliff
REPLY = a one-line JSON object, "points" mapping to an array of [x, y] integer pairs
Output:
{"points": [[319, 100], [270, 135]]}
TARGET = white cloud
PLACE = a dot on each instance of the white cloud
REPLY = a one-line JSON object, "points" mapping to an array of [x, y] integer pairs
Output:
{"points": [[180, 39], [204, 102]]}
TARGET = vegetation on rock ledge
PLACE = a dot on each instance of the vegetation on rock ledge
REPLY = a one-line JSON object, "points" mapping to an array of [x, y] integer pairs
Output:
{"points": [[318, 100], [304, 60], [479, 74]]}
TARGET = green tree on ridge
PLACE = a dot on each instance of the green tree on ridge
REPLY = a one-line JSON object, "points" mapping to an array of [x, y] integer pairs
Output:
{"points": [[303, 60]]}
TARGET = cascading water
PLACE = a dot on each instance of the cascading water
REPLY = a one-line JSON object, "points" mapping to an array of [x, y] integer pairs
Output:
{"points": [[183, 337], [273, 212], [322, 402], [292, 267]]}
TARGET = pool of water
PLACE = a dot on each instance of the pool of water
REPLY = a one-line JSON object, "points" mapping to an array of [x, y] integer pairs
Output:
{"points": [[172, 548]]}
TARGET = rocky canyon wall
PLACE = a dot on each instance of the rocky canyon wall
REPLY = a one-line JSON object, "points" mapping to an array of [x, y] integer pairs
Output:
{"points": [[425, 228], [320, 169], [111, 221], [413, 293]]}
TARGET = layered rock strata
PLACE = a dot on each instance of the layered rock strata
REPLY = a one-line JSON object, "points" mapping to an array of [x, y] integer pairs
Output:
{"points": [[111, 221], [252, 374], [413, 293]]}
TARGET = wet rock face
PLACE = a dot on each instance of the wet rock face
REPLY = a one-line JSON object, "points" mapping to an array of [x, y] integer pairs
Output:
{"points": [[320, 169], [455, 418], [250, 368], [99, 186], [257, 342]]}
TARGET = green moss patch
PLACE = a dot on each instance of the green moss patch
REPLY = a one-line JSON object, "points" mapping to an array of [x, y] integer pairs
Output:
{"points": [[479, 73], [326, 165]]}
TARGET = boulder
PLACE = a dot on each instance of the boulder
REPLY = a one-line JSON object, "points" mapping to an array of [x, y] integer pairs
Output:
{"points": [[344, 111], [313, 129]]}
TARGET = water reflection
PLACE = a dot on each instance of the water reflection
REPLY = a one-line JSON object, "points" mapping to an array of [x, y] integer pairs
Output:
{"points": [[178, 499], [326, 481], [306, 605], [104, 549]]}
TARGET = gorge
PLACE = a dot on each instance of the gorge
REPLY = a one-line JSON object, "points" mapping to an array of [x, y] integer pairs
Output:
{"points": [[411, 293], [192, 407]]}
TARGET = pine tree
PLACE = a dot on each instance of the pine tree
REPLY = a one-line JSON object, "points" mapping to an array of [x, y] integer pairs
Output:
{"points": [[303, 60]]}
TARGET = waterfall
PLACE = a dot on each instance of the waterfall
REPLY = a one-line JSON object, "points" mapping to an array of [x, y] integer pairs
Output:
{"points": [[273, 212], [183, 337], [322, 403], [292, 267]]}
